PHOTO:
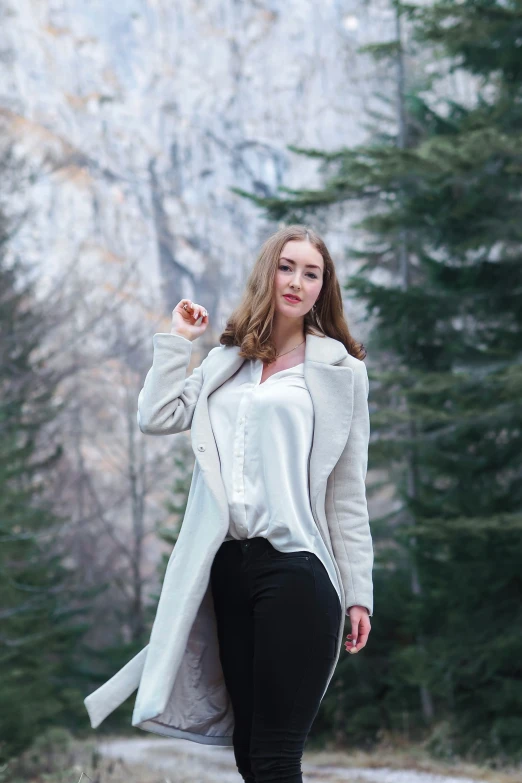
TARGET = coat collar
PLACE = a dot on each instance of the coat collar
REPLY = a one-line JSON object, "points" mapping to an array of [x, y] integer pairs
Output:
{"points": [[330, 385], [322, 349]]}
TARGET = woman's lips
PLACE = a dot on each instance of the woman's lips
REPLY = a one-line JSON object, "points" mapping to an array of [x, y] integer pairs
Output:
{"points": [[291, 299]]}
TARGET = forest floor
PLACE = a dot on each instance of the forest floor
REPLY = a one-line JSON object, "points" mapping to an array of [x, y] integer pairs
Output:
{"points": [[163, 760]]}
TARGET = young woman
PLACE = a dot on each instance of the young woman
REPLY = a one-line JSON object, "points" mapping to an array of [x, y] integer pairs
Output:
{"points": [[275, 547]]}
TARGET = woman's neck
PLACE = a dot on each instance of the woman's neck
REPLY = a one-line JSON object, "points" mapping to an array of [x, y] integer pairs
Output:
{"points": [[286, 336]]}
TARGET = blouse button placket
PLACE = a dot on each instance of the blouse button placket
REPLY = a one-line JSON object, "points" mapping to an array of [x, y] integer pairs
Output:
{"points": [[239, 454], [239, 442]]}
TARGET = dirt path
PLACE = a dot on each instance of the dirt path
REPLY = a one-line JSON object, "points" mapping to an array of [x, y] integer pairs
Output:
{"points": [[182, 760]]}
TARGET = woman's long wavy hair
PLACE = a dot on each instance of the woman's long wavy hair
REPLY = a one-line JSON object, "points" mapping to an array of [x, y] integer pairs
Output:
{"points": [[250, 324]]}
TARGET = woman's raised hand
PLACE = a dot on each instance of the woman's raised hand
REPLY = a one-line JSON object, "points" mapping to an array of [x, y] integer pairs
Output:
{"points": [[184, 319]]}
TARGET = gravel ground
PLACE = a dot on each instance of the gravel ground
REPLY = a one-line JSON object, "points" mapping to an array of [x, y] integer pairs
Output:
{"points": [[181, 760]]}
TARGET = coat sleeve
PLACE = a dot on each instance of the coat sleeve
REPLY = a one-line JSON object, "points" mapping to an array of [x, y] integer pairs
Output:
{"points": [[167, 400], [352, 544]]}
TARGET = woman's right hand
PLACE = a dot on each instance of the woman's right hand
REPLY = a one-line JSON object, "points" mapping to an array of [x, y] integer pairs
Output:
{"points": [[184, 318]]}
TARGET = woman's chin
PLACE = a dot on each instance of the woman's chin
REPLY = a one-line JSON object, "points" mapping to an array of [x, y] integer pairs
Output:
{"points": [[290, 311]]}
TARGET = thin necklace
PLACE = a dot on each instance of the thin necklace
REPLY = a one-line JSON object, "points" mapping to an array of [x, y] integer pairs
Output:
{"points": [[291, 349]]}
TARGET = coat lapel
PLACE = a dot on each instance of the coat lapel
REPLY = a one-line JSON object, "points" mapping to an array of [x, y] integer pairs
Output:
{"points": [[203, 440], [331, 388]]}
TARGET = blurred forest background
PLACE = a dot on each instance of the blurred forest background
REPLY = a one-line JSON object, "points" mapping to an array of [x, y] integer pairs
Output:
{"points": [[146, 151]]}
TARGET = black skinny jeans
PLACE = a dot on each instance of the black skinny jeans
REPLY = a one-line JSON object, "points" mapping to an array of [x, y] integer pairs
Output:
{"points": [[278, 616]]}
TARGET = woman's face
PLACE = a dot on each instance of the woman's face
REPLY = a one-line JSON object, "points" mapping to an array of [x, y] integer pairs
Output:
{"points": [[300, 274]]}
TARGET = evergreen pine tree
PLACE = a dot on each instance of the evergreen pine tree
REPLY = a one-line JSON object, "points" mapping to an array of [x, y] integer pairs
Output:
{"points": [[40, 605]]}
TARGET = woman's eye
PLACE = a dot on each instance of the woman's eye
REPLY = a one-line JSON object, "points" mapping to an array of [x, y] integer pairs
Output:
{"points": [[285, 266]]}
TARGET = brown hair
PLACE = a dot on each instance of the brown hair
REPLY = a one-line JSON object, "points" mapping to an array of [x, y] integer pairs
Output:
{"points": [[250, 324]]}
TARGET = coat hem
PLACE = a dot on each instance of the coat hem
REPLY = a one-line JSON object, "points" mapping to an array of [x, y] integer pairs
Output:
{"points": [[167, 731]]}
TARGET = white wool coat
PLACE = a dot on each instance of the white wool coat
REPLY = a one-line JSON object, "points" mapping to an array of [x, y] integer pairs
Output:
{"points": [[181, 690]]}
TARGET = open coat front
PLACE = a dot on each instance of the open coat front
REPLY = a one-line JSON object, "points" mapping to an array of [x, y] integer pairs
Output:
{"points": [[181, 690]]}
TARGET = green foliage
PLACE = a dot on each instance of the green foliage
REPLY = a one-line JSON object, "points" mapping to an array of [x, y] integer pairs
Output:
{"points": [[483, 36], [41, 606]]}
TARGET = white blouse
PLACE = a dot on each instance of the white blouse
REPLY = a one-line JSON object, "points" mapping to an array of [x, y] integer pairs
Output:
{"points": [[263, 434]]}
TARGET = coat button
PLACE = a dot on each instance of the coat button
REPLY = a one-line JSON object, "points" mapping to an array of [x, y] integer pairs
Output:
{"points": [[201, 447]]}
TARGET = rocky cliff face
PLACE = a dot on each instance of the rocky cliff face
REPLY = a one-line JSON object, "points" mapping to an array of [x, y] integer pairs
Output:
{"points": [[140, 115]]}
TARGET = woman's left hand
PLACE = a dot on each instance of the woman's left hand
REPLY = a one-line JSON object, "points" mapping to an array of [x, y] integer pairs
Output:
{"points": [[360, 625]]}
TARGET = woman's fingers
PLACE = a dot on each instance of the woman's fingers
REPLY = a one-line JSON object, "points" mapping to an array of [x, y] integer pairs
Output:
{"points": [[194, 311], [361, 640], [352, 643], [360, 626], [199, 311]]}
